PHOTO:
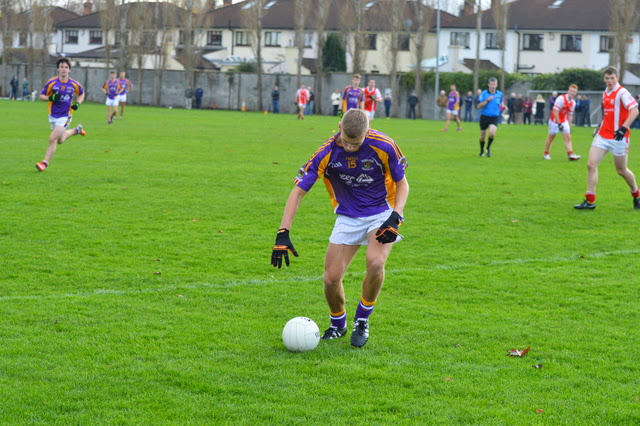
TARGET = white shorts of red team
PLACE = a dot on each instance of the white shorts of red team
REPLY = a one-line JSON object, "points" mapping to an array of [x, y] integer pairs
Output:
{"points": [[60, 121], [111, 102], [553, 127], [617, 148], [370, 114], [353, 231], [301, 105]]}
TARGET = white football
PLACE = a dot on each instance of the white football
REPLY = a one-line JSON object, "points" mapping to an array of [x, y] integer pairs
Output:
{"points": [[301, 334]]}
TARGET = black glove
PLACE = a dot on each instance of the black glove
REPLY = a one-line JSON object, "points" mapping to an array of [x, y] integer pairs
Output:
{"points": [[620, 133], [560, 126], [75, 106], [388, 231], [54, 97], [280, 249]]}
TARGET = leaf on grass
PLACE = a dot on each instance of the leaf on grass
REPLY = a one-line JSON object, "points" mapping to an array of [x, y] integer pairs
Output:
{"points": [[220, 231], [448, 379], [538, 366], [539, 411], [180, 295], [515, 221], [520, 353], [581, 256], [194, 220], [275, 162], [156, 260], [157, 273]]}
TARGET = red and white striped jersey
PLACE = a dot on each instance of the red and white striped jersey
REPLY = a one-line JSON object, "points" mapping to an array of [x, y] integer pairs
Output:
{"points": [[371, 96], [564, 106], [302, 96], [615, 106]]}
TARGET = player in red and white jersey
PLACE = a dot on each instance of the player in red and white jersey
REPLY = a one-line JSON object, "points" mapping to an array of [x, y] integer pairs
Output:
{"points": [[372, 97], [302, 97], [560, 121], [619, 111]]}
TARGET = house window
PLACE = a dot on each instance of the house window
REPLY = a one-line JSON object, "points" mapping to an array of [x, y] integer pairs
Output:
{"points": [[71, 36], [272, 39], [120, 38], [571, 43], [149, 39], [460, 39], [491, 41], [181, 37], [22, 38], [214, 38], [606, 43], [242, 38], [95, 37], [404, 42], [308, 39], [532, 42], [369, 41]]}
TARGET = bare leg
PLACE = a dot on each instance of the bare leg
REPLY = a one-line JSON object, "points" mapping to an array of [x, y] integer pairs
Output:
{"points": [[627, 175], [595, 157], [337, 260], [567, 142], [377, 255], [548, 142]]}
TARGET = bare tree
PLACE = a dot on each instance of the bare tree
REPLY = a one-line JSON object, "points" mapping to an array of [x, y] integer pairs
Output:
{"points": [[322, 15], [194, 10], [423, 21], [623, 21], [164, 22], [6, 14], [253, 21], [351, 22], [108, 18], [138, 22], [476, 65], [396, 12], [121, 40], [299, 13], [500, 17]]}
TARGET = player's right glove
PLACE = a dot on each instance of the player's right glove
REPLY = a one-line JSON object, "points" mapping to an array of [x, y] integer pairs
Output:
{"points": [[54, 97], [281, 249], [388, 231], [75, 106], [620, 133], [560, 126], [340, 113]]}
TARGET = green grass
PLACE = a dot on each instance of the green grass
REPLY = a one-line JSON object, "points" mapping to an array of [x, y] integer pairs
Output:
{"points": [[135, 284]]}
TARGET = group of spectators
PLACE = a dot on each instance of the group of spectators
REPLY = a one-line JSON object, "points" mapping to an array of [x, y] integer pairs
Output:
{"points": [[14, 88]]}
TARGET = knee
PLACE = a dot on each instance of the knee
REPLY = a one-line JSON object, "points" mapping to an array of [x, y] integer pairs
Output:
{"points": [[375, 267], [592, 167], [622, 171], [332, 280]]}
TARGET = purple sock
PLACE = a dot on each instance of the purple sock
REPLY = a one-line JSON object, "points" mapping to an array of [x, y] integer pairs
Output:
{"points": [[364, 309], [339, 320]]}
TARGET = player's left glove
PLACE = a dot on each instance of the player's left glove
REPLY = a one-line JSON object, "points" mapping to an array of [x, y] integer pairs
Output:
{"points": [[54, 97], [560, 126], [75, 106], [620, 133], [281, 248], [388, 231]]}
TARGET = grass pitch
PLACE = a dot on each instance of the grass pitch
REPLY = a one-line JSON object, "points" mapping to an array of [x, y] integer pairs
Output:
{"points": [[136, 286]]}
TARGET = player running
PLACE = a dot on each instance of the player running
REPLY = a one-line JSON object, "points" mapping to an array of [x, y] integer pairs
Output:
{"points": [[372, 97], [112, 89], [126, 86], [560, 121], [363, 171], [59, 93], [352, 96], [453, 109], [491, 102], [302, 97], [619, 111]]}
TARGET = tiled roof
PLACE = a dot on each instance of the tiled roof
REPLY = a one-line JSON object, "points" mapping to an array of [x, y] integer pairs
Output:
{"points": [[154, 15], [484, 64]]}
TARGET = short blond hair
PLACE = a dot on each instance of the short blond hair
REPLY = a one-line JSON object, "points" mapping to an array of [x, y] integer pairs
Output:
{"points": [[355, 123]]}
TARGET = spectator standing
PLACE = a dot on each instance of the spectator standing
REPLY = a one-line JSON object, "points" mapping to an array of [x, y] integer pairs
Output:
{"points": [[586, 111], [198, 99], [335, 101], [552, 100], [308, 110], [188, 97], [468, 106], [25, 89], [14, 88], [476, 101], [517, 108], [527, 109], [511, 108], [539, 118], [441, 101], [387, 105], [275, 100], [412, 101]]}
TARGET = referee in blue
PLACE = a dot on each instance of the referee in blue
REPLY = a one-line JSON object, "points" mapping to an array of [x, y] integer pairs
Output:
{"points": [[491, 103]]}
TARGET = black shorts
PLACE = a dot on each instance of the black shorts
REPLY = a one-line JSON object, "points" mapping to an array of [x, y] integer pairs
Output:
{"points": [[486, 121]]}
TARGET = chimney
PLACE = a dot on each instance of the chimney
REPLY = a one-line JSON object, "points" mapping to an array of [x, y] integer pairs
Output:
{"points": [[226, 2], [87, 7], [468, 7]]}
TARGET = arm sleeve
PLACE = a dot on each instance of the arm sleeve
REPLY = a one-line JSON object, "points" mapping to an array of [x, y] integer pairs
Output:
{"points": [[314, 169]]}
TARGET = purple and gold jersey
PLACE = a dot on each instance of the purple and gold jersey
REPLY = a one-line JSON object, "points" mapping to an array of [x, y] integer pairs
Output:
{"points": [[351, 98], [113, 88], [360, 183], [125, 84], [62, 107], [453, 102]]}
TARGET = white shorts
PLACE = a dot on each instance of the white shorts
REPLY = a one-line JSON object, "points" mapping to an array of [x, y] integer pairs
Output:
{"points": [[553, 127], [122, 98], [617, 148], [453, 111], [62, 121], [301, 105], [353, 231], [111, 102], [370, 114]]}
